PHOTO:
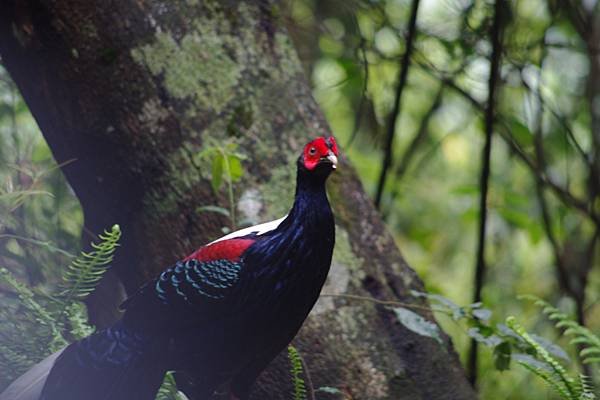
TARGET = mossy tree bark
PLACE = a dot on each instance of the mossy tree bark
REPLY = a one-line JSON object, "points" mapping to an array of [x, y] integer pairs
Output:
{"points": [[133, 90]]}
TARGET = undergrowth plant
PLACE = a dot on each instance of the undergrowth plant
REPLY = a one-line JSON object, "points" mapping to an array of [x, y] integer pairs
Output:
{"points": [[168, 390], [39, 324], [296, 371], [547, 367], [36, 324], [302, 383], [510, 341], [226, 167]]}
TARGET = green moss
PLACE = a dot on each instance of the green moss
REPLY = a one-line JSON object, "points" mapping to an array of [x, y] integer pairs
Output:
{"points": [[343, 254], [182, 176], [241, 119], [213, 85], [226, 63], [278, 192], [290, 63]]}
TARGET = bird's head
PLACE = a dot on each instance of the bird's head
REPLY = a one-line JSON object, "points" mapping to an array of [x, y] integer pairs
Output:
{"points": [[319, 156]]}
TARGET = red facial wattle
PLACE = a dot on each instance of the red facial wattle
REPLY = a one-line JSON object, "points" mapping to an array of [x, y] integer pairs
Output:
{"points": [[333, 145], [319, 150]]}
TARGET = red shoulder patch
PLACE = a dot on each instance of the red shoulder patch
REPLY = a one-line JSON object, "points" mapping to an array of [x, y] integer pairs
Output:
{"points": [[230, 249]]}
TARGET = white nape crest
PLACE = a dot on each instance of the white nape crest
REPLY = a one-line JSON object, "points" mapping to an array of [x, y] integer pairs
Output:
{"points": [[256, 229]]}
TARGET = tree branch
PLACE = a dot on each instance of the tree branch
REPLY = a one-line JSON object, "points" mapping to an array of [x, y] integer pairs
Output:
{"points": [[562, 193], [395, 114], [480, 266], [416, 141], [363, 95]]}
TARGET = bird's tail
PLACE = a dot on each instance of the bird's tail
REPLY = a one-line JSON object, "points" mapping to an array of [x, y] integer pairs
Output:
{"points": [[112, 364]]}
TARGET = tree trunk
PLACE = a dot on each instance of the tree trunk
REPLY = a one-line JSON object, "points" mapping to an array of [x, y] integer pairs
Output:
{"points": [[133, 90]]}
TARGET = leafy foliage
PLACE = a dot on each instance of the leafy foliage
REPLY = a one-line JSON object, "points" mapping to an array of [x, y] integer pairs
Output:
{"points": [[226, 166], [352, 50], [168, 390], [38, 324], [541, 201], [581, 336], [418, 324], [511, 341], [29, 331], [544, 365], [297, 371], [84, 273]]}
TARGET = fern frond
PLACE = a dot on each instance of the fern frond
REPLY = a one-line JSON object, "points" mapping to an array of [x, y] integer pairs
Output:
{"points": [[33, 308], [555, 375], [12, 363], [296, 371], [586, 392], [551, 380], [168, 389], [77, 319], [84, 273], [580, 334]]}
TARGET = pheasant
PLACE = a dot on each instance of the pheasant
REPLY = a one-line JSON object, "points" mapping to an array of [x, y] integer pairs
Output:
{"points": [[217, 317]]}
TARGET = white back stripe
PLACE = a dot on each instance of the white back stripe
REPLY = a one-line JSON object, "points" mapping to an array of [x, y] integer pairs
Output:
{"points": [[256, 229]]}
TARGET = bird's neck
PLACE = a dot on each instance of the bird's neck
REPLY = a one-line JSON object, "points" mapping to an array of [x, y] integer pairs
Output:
{"points": [[311, 207]]}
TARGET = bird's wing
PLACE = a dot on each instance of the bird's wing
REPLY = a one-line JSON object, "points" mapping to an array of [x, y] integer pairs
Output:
{"points": [[206, 284], [203, 284]]}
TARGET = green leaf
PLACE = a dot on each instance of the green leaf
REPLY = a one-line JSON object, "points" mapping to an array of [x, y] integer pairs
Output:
{"points": [[168, 389], [231, 147], [329, 390], [532, 361], [482, 314], [214, 209], [41, 152], [84, 273], [471, 190], [76, 313], [217, 172], [517, 218], [456, 311], [418, 324], [520, 132], [297, 371], [502, 355], [235, 167], [23, 193], [44, 244], [35, 310], [550, 347], [481, 337]]}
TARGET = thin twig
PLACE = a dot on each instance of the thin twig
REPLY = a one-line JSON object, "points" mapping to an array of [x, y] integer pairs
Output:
{"points": [[417, 140], [563, 194], [43, 243], [394, 116], [363, 95], [377, 301], [559, 118], [480, 266], [538, 141]]}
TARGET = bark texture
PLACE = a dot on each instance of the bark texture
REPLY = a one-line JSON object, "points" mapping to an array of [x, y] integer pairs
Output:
{"points": [[132, 90]]}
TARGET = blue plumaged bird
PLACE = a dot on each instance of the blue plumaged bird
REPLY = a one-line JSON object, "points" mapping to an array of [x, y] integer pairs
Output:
{"points": [[218, 316]]}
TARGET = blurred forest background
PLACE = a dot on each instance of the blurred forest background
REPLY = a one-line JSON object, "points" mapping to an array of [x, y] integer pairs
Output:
{"points": [[442, 106]]}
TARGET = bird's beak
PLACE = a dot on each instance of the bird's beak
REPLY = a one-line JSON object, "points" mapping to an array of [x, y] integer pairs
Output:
{"points": [[333, 159]]}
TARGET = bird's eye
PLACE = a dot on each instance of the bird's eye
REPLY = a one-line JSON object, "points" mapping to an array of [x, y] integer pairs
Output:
{"points": [[312, 151]]}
